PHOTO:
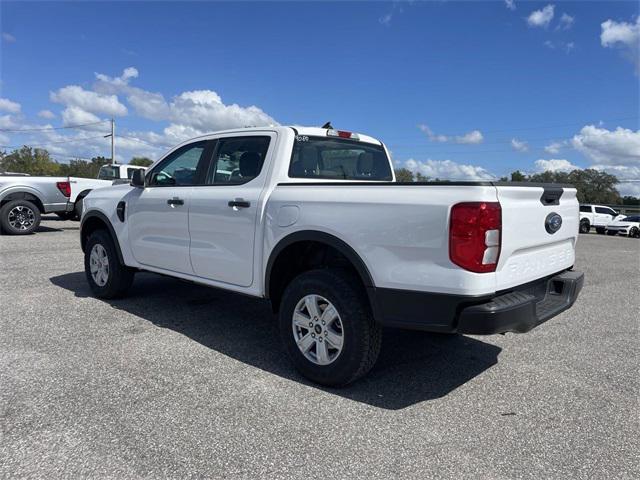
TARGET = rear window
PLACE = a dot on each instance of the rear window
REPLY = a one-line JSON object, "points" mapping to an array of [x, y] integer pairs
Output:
{"points": [[338, 159], [108, 172], [585, 208]]}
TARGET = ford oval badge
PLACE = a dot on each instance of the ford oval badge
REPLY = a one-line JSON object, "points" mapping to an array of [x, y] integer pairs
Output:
{"points": [[552, 223]]}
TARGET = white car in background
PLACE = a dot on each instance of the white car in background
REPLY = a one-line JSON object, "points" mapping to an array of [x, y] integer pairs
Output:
{"points": [[629, 226]]}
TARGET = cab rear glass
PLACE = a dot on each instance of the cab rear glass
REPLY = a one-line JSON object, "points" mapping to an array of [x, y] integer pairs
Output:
{"points": [[338, 159]]}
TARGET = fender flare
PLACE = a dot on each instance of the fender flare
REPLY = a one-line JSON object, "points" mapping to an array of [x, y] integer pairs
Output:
{"points": [[320, 237], [103, 218]]}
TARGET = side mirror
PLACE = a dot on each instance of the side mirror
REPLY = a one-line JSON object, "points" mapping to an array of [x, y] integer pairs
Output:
{"points": [[137, 179]]}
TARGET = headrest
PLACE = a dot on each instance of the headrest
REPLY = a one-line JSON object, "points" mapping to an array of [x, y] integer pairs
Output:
{"points": [[249, 164], [309, 158], [365, 163]]}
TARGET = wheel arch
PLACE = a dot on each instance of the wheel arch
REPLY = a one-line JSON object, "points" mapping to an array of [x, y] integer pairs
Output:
{"points": [[95, 220], [280, 269], [24, 195]]}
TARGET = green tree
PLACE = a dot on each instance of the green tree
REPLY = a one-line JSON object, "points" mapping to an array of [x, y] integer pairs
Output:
{"points": [[140, 161], [34, 161], [404, 175], [421, 178], [518, 176], [630, 200], [84, 168], [593, 186]]}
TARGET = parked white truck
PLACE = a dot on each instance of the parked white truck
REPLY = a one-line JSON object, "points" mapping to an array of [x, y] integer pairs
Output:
{"points": [[107, 175], [598, 216], [313, 220]]}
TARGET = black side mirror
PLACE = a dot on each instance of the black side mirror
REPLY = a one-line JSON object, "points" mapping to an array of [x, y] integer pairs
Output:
{"points": [[137, 179]]}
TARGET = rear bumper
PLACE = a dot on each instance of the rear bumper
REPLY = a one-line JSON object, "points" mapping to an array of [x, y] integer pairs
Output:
{"points": [[518, 310]]}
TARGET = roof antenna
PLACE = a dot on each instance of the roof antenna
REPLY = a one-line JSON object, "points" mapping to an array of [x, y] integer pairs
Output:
{"points": [[327, 125]]}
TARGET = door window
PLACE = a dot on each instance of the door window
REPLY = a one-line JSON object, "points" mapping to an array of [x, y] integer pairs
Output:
{"points": [[237, 160], [585, 208], [180, 168], [605, 211]]}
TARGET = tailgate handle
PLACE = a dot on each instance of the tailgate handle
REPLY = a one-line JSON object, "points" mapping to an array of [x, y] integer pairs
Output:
{"points": [[551, 195]]}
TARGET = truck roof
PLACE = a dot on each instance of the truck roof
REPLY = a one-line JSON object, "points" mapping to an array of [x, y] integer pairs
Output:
{"points": [[298, 129]]}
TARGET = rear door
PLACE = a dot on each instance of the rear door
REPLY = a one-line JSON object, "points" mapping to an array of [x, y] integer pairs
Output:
{"points": [[604, 216], [531, 247], [224, 212], [158, 215]]}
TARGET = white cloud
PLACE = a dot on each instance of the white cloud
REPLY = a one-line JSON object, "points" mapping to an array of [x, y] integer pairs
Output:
{"points": [[519, 145], [625, 33], [541, 18], [566, 22], [569, 47], [77, 116], [554, 147], [7, 105], [629, 177], [625, 36], [510, 4], [609, 147], [48, 114], [550, 44], [89, 101], [386, 19], [448, 170], [555, 165], [473, 137], [191, 113], [8, 38]]}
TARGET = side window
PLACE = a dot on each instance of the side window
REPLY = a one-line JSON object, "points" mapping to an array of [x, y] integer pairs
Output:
{"points": [[585, 208], [179, 168], [237, 160], [604, 210]]}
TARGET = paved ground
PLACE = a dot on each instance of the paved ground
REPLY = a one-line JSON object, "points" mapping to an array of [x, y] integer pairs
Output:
{"points": [[182, 381]]}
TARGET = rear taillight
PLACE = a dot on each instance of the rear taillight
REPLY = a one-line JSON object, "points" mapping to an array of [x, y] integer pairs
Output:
{"points": [[474, 235], [65, 188]]}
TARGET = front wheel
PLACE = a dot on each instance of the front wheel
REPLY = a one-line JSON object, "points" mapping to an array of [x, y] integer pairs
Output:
{"points": [[327, 327], [634, 232], [585, 226], [19, 217], [107, 277]]}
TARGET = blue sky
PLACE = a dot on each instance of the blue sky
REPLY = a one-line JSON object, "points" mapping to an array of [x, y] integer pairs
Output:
{"points": [[455, 89]]}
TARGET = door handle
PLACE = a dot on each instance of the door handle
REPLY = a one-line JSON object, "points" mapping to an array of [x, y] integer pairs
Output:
{"points": [[175, 201], [239, 203]]}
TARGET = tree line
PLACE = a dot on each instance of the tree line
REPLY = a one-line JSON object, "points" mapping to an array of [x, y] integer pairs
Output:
{"points": [[593, 186], [38, 161]]}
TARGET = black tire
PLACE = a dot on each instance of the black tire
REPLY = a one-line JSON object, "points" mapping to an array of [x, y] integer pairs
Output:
{"points": [[634, 232], [66, 215], [362, 337], [585, 226], [19, 217], [120, 277], [611, 233], [600, 230]]}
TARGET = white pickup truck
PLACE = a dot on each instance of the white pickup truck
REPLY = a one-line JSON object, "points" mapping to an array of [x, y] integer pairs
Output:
{"points": [[312, 219], [107, 175], [598, 216]]}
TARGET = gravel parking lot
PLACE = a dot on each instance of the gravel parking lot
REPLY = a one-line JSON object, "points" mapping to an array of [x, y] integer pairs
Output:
{"points": [[182, 381]]}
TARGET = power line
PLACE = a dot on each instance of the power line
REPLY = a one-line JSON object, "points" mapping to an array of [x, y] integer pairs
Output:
{"points": [[44, 145], [51, 128]]}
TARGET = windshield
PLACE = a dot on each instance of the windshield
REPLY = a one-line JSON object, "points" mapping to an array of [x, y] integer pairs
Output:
{"points": [[107, 172], [332, 158]]}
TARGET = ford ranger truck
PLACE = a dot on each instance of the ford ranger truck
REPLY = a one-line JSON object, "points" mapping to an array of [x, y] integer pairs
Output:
{"points": [[313, 220]]}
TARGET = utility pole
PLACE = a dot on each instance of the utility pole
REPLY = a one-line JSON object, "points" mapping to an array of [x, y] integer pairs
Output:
{"points": [[113, 141]]}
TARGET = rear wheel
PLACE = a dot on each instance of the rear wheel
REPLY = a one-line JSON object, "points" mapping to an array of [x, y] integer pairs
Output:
{"points": [[19, 217], [585, 226], [634, 232], [107, 277], [327, 327]]}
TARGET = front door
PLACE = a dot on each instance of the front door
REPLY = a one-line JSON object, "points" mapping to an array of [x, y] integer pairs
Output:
{"points": [[223, 213], [158, 215]]}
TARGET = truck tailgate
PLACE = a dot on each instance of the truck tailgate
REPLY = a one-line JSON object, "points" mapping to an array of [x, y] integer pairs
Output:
{"points": [[530, 249]]}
